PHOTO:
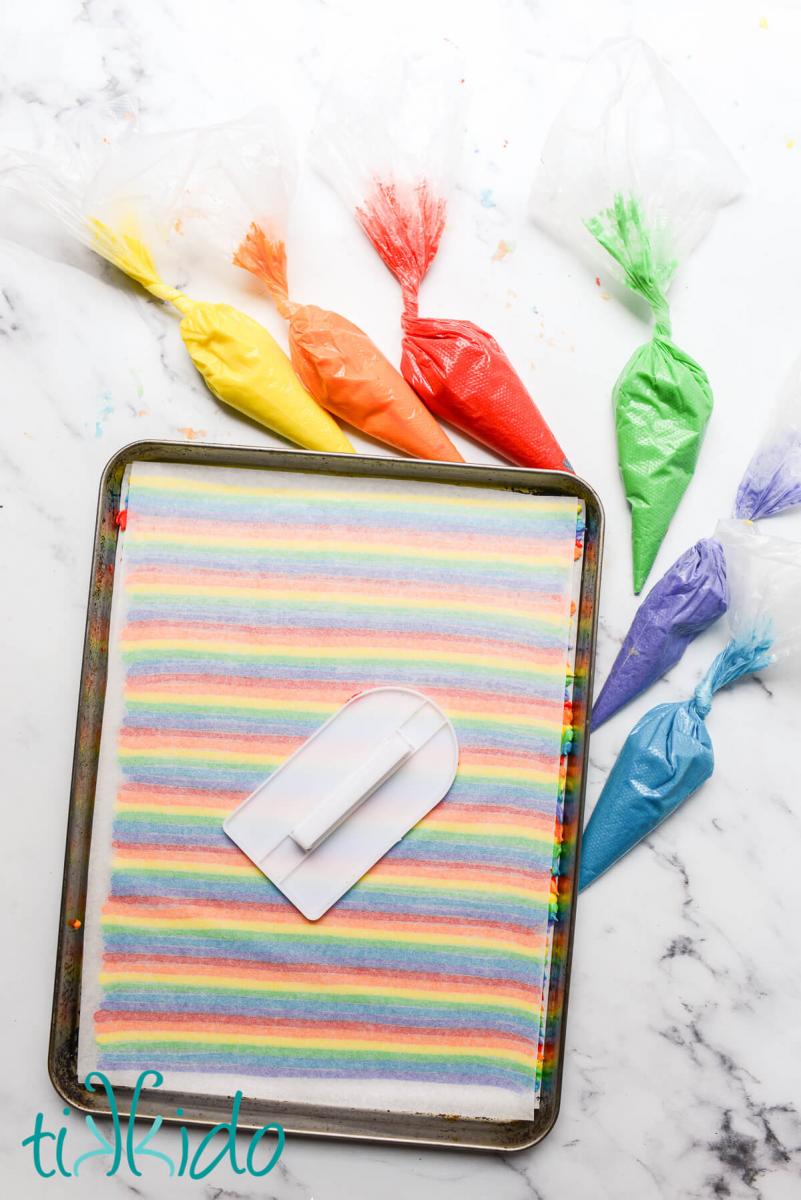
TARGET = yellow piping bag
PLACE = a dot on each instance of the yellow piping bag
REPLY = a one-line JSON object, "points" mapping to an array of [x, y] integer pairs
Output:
{"points": [[240, 361], [118, 193]]}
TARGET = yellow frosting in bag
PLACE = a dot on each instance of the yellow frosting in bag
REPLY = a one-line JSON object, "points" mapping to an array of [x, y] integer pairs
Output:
{"points": [[246, 368], [240, 361]]}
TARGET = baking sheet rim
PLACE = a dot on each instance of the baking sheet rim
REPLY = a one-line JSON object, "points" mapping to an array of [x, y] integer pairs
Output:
{"points": [[315, 1120]]}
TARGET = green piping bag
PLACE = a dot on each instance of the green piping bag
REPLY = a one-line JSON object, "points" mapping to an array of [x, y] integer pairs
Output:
{"points": [[662, 399], [631, 178]]}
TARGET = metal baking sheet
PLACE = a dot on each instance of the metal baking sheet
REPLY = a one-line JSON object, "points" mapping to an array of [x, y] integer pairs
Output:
{"points": [[316, 1120]]}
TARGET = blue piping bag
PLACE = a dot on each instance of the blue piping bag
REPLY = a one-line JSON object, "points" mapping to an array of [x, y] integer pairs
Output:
{"points": [[665, 758], [668, 754], [693, 594]]}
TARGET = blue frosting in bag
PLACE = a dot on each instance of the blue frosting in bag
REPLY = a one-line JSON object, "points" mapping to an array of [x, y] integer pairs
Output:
{"points": [[665, 758], [667, 755]]}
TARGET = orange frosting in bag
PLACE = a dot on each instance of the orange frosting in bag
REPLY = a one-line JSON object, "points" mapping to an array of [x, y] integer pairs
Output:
{"points": [[342, 368]]}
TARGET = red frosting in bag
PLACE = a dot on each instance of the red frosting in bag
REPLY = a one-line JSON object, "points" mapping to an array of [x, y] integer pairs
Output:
{"points": [[456, 368]]}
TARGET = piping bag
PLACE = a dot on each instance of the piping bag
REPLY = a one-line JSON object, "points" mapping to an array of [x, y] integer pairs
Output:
{"points": [[386, 143], [631, 177], [138, 184], [668, 755], [693, 594], [341, 367], [337, 362]]}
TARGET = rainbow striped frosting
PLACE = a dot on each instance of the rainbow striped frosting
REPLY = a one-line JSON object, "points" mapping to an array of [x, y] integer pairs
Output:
{"points": [[249, 606]]}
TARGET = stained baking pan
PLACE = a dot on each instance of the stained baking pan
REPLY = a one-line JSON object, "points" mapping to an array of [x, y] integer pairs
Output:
{"points": [[318, 1120]]}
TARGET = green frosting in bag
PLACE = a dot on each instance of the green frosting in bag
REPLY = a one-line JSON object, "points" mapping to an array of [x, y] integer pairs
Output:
{"points": [[662, 404], [662, 399]]}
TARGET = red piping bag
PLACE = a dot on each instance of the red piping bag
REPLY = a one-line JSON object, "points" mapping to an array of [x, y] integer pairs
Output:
{"points": [[458, 370]]}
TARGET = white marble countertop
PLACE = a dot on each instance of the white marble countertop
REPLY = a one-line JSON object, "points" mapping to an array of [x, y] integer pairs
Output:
{"points": [[683, 1066]]}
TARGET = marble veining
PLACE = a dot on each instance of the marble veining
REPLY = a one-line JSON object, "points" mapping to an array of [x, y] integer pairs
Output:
{"points": [[682, 1067]]}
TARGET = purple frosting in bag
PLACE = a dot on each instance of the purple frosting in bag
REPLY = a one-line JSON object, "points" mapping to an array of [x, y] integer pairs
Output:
{"points": [[772, 481], [692, 594], [689, 597]]}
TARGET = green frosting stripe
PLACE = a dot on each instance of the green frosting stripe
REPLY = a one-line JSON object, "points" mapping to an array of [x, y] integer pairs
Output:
{"points": [[662, 398]]}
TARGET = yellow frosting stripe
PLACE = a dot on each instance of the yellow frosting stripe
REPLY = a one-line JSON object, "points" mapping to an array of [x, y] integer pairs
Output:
{"points": [[232, 925], [483, 498], [305, 1042], [248, 983]]}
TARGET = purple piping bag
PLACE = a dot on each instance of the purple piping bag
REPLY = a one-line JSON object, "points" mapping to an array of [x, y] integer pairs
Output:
{"points": [[689, 597], [772, 482], [692, 594], [668, 755]]}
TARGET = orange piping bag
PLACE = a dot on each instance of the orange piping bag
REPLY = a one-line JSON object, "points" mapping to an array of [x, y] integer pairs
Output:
{"points": [[341, 367]]}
